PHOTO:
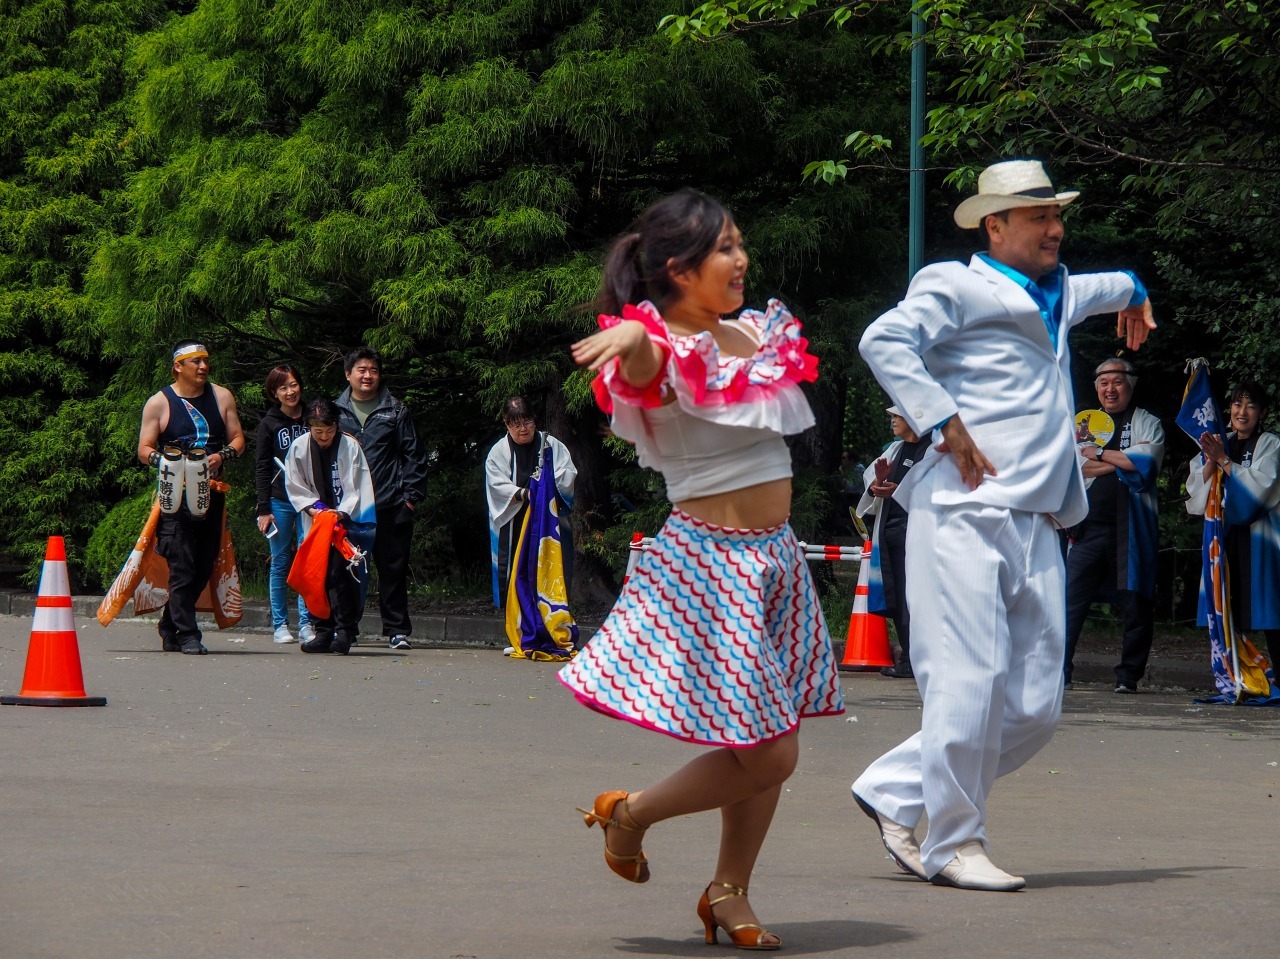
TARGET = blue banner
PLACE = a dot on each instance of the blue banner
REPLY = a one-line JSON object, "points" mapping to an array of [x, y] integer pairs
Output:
{"points": [[1199, 413], [1241, 674]]}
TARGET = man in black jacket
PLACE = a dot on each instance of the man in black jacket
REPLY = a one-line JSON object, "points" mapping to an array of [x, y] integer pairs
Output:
{"points": [[384, 427]]}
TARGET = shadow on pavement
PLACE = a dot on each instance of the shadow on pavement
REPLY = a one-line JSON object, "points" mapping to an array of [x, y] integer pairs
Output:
{"points": [[798, 938], [1116, 877]]}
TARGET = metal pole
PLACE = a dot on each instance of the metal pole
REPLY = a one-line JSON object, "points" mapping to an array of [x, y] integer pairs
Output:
{"points": [[915, 234]]}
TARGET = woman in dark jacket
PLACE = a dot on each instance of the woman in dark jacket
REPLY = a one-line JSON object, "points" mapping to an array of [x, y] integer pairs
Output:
{"points": [[280, 426]]}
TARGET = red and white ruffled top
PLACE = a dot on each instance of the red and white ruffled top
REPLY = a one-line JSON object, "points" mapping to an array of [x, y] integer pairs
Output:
{"points": [[712, 423]]}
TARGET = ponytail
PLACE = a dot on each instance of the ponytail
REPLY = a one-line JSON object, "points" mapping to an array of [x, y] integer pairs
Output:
{"points": [[623, 281], [675, 234]]}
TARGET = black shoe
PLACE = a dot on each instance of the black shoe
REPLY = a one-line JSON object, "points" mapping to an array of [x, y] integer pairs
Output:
{"points": [[193, 647], [901, 671], [341, 644], [1068, 685], [1129, 688], [398, 641], [323, 643], [170, 644]]}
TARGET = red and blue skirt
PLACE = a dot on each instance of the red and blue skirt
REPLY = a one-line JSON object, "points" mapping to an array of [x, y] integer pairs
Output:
{"points": [[717, 639]]}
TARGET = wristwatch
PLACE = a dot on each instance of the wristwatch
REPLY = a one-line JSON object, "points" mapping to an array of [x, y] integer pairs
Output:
{"points": [[1099, 456]]}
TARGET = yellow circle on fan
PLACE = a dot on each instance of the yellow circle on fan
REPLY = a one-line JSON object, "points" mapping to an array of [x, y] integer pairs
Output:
{"points": [[1095, 426]]}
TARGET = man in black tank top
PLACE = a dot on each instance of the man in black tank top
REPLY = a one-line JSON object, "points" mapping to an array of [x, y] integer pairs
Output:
{"points": [[193, 413]]}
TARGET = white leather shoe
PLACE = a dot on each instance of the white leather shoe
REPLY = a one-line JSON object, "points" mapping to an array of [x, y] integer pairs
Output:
{"points": [[897, 838], [971, 869]]}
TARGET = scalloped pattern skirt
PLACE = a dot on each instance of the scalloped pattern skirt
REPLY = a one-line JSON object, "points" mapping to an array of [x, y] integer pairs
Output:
{"points": [[717, 639]]}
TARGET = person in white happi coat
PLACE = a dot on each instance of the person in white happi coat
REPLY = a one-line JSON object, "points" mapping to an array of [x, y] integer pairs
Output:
{"points": [[886, 584], [1250, 463], [977, 355], [507, 469], [1114, 552]]}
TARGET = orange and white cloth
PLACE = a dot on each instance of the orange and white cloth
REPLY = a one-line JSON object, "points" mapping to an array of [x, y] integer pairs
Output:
{"points": [[145, 578], [308, 576]]}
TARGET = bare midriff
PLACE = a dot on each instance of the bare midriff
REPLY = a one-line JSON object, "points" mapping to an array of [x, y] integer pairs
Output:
{"points": [[752, 507]]}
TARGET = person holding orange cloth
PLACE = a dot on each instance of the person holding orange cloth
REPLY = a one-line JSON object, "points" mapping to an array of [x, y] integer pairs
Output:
{"points": [[326, 472]]}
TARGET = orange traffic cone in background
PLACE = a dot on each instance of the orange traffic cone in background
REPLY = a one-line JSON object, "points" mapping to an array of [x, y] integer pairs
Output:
{"points": [[53, 676], [867, 646]]}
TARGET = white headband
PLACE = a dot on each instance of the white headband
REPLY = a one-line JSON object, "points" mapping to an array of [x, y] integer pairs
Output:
{"points": [[189, 351]]}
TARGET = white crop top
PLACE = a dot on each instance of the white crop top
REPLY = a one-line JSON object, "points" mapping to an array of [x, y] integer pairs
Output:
{"points": [[725, 428], [699, 457]]}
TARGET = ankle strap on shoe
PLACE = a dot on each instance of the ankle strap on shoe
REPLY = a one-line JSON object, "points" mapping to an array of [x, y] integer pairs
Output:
{"points": [[734, 891]]}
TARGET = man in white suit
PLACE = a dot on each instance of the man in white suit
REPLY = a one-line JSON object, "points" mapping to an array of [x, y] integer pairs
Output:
{"points": [[978, 356]]}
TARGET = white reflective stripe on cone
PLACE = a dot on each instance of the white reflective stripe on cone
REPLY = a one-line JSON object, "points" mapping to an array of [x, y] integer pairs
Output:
{"points": [[53, 619], [54, 580]]}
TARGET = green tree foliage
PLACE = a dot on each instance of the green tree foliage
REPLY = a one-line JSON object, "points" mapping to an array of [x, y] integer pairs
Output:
{"points": [[65, 150], [1165, 107], [289, 179], [1160, 111]]}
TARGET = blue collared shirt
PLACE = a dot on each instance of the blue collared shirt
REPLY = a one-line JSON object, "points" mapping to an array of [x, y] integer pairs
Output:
{"points": [[1047, 293]]}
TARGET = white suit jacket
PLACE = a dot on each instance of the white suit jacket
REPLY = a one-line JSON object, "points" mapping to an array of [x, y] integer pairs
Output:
{"points": [[970, 340]]}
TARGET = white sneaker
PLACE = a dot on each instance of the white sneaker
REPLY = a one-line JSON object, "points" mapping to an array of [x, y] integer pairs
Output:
{"points": [[971, 869], [283, 636], [306, 633]]}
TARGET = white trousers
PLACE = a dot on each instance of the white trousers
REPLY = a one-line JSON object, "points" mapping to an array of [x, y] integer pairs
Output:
{"points": [[986, 587]]}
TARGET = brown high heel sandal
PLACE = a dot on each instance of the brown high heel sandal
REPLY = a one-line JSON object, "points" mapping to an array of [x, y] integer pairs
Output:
{"points": [[713, 925], [606, 812]]}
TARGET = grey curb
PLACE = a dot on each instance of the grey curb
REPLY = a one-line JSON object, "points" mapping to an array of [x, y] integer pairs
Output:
{"points": [[433, 631]]}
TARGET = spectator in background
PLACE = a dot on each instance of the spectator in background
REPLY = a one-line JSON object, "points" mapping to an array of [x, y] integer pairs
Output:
{"points": [[510, 463], [1250, 463], [277, 519], [197, 418], [886, 585], [326, 473], [1113, 552], [384, 428]]}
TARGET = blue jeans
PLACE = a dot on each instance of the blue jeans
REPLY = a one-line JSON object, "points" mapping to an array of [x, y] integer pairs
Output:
{"points": [[288, 536]]}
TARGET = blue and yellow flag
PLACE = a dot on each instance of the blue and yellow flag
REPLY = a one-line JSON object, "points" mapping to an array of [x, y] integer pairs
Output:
{"points": [[1240, 672], [539, 624]]}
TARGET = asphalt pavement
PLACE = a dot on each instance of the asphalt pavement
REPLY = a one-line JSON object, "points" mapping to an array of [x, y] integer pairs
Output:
{"points": [[259, 802]]}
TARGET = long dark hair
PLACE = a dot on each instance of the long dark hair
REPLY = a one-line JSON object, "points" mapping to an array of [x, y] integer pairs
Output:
{"points": [[674, 234]]}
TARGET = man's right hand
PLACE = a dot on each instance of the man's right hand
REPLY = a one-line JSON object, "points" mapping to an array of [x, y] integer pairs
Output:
{"points": [[970, 460]]}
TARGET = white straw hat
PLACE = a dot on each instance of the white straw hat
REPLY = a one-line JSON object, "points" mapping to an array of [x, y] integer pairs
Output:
{"points": [[1007, 185]]}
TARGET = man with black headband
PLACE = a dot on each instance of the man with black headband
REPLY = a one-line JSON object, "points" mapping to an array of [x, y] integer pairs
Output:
{"points": [[192, 420], [1113, 552]]}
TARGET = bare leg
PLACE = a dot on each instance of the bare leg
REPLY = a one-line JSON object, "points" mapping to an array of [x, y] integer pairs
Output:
{"points": [[743, 827], [717, 779], [744, 784]]}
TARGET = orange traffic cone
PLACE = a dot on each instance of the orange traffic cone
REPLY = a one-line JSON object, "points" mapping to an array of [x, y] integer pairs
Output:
{"points": [[867, 646], [53, 676]]}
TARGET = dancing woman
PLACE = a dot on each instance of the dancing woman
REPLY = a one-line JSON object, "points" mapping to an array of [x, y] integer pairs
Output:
{"points": [[718, 638]]}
